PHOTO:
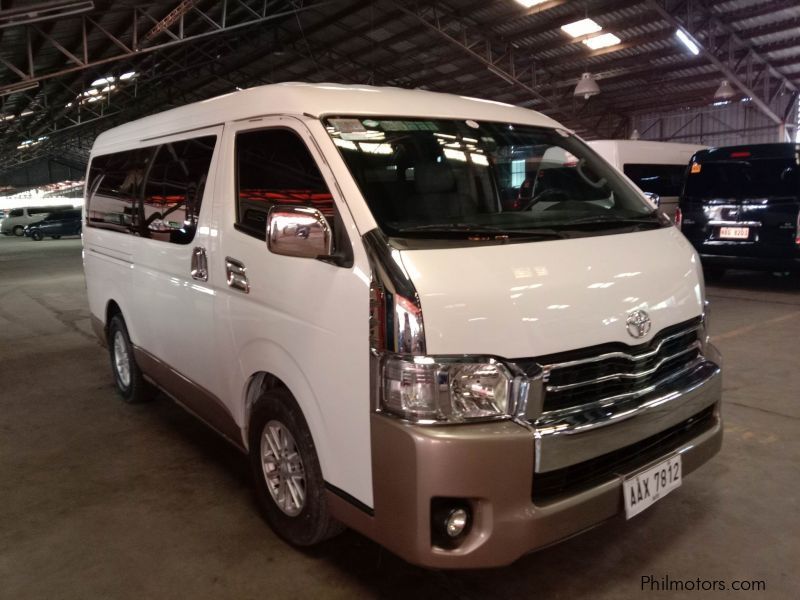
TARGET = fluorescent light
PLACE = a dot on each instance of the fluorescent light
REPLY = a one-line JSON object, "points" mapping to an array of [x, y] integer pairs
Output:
{"points": [[602, 41], [582, 27], [103, 81], [693, 48], [530, 3], [128, 75]]}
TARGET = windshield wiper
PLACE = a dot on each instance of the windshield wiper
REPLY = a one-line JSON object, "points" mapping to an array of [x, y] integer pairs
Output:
{"points": [[479, 230], [650, 220]]}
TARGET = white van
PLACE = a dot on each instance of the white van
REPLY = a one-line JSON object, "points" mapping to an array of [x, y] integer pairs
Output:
{"points": [[658, 168], [16, 220], [444, 322]]}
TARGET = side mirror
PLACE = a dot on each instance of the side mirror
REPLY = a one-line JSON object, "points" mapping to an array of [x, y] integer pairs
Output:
{"points": [[298, 231], [654, 198]]}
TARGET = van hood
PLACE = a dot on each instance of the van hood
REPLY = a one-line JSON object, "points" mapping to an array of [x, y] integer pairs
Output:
{"points": [[538, 298]]}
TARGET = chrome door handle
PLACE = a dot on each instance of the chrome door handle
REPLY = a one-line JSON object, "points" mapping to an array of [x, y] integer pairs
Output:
{"points": [[237, 274], [199, 264]]}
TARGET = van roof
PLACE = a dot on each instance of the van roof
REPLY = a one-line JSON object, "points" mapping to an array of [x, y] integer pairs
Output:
{"points": [[778, 150], [651, 144], [318, 100]]}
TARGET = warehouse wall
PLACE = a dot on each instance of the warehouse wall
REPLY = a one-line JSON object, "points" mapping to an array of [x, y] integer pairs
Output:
{"points": [[43, 171], [737, 122]]}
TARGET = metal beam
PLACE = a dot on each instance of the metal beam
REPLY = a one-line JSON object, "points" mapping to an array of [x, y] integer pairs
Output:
{"points": [[496, 56], [718, 42], [202, 29]]}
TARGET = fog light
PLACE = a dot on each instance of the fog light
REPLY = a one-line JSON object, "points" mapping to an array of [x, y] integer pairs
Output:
{"points": [[451, 521], [456, 522]]}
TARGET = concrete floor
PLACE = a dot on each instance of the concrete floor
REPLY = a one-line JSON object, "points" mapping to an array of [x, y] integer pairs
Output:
{"points": [[103, 500]]}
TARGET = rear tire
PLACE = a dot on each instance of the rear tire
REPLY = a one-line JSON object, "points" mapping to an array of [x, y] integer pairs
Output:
{"points": [[129, 380], [287, 477]]}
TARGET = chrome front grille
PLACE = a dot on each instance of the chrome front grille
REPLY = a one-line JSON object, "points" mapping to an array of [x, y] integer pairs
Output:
{"points": [[615, 372]]}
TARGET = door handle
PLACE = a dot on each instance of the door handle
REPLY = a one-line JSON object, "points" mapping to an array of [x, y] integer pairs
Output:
{"points": [[236, 274], [199, 264]]}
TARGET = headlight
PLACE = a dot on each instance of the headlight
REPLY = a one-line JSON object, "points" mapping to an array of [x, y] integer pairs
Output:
{"points": [[438, 390]]}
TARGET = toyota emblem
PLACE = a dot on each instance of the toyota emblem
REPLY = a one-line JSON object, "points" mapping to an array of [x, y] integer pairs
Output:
{"points": [[638, 323]]}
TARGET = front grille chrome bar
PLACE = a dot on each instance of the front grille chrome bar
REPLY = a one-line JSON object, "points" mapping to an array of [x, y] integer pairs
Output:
{"points": [[638, 375], [626, 355]]}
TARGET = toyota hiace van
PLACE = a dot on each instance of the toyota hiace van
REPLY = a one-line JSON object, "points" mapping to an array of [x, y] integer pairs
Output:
{"points": [[444, 322], [658, 168], [740, 207]]}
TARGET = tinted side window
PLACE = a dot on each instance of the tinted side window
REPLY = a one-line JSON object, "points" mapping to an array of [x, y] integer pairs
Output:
{"points": [[152, 192], [664, 180], [115, 183], [274, 166], [174, 190], [17, 212]]}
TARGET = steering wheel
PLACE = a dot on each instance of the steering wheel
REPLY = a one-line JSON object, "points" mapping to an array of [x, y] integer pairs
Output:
{"points": [[542, 195]]}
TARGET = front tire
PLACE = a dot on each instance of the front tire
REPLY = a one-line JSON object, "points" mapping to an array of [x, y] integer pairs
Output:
{"points": [[129, 380], [17, 231], [37, 236], [287, 477]]}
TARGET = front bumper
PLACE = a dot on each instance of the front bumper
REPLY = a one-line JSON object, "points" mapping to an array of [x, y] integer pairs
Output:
{"points": [[494, 468]]}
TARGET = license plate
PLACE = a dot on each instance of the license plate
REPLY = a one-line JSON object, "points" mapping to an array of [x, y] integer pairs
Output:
{"points": [[645, 488], [734, 233]]}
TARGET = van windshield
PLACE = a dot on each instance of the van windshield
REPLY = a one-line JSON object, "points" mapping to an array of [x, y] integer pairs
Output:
{"points": [[751, 178], [445, 178]]}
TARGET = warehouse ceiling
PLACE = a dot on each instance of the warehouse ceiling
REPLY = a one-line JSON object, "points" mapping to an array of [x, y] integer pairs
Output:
{"points": [[70, 69]]}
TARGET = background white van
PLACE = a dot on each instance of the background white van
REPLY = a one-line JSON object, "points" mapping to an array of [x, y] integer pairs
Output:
{"points": [[656, 167], [18, 218]]}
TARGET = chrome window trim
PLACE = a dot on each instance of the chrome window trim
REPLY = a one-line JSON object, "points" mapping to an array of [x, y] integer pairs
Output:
{"points": [[735, 223]]}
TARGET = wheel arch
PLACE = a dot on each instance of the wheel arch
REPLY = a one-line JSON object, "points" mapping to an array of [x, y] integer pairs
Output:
{"points": [[285, 373]]}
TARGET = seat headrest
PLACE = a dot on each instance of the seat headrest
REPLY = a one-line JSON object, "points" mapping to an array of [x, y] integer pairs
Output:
{"points": [[433, 178]]}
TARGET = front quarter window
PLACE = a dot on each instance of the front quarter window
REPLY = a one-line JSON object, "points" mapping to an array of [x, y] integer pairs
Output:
{"points": [[458, 179]]}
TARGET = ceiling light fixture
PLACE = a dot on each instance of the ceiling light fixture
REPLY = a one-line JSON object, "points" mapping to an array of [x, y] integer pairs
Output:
{"points": [[602, 41], [687, 41], [724, 91], [582, 27], [15, 88], [103, 81], [587, 86], [530, 3]]}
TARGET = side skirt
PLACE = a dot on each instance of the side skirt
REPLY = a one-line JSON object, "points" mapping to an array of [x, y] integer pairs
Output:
{"points": [[194, 398]]}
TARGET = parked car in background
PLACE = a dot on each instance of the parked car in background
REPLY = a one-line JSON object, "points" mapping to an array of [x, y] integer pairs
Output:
{"points": [[18, 218], [740, 207], [658, 168], [55, 225]]}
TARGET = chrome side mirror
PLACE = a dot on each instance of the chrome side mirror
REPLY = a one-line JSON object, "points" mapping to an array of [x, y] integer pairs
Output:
{"points": [[654, 198], [298, 231]]}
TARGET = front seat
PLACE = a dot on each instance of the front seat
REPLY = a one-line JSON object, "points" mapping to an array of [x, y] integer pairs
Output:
{"points": [[436, 195]]}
